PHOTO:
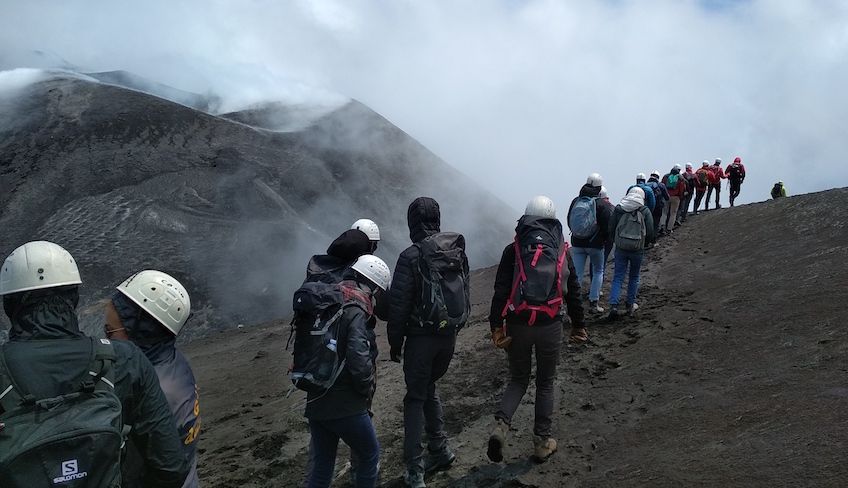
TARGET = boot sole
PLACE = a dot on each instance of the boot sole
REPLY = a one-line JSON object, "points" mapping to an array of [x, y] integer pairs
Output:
{"points": [[495, 450]]}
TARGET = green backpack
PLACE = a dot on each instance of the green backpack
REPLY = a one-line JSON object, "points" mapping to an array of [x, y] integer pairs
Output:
{"points": [[630, 231], [69, 441]]}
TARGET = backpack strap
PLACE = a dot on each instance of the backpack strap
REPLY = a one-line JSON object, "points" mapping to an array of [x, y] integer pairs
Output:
{"points": [[510, 303], [10, 397], [101, 369]]}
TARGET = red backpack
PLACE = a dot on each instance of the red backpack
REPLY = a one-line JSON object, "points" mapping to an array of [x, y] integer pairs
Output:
{"points": [[540, 253]]}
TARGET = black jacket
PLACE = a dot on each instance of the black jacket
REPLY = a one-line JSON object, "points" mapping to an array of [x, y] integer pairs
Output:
{"points": [[503, 287], [48, 355], [602, 213], [352, 391], [424, 219], [176, 379], [650, 235]]}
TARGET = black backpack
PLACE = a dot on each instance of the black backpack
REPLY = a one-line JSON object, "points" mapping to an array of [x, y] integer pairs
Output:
{"points": [[71, 440], [775, 190], [734, 172], [540, 251], [318, 355], [326, 269], [445, 301]]}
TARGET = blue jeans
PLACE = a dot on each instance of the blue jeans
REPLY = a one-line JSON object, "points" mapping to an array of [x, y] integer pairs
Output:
{"points": [[596, 256], [622, 260], [358, 433]]}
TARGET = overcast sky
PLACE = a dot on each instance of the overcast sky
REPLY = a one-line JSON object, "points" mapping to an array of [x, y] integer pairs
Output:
{"points": [[525, 96]]}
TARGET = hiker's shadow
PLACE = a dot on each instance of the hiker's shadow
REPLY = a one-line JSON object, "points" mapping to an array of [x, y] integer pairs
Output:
{"points": [[493, 475]]}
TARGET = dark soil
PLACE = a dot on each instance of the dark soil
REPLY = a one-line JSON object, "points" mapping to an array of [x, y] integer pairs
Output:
{"points": [[732, 374]]}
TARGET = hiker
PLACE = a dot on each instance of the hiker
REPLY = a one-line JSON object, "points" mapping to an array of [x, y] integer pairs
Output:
{"points": [[429, 303], [736, 176], [333, 268], [650, 201], [716, 175], [689, 179], [676, 186], [149, 309], [369, 227], [631, 224], [702, 181], [661, 196], [608, 243], [78, 391], [587, 219], [778, 190], [337, 401], [535, 278]]}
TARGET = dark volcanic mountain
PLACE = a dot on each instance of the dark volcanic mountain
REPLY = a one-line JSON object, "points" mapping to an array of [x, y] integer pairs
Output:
{"points": [[126, 180]]}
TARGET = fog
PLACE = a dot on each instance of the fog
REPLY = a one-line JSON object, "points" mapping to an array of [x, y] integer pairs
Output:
{"points": [[527, 97]]}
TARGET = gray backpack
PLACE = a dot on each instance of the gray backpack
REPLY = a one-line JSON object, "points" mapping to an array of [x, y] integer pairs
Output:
{"points": [[68, 441], [630, 231]]}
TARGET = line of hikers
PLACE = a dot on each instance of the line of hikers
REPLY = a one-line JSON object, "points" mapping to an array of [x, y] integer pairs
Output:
{"points": [[99, 392]]}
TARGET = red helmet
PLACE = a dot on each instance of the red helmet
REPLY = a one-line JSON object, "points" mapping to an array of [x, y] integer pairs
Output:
{"points": [[737, 160]]}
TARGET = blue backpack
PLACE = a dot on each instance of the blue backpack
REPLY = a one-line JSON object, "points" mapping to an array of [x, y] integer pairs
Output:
{"points": [[583, 219]]}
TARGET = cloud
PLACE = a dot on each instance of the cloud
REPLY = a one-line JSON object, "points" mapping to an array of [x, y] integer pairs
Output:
{"points": [[525, 96]]}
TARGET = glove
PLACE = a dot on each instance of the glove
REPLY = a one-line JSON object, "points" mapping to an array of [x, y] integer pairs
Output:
{"points": [[579, 335], [500, 339], [395, 353]]}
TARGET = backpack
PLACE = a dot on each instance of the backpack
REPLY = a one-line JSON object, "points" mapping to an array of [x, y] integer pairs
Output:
{"points": [[659, 199], [540, 251], [775, 190], [734, 172], [703, 177], [71, 440], [672, 180], [318, 358], [583, 218], [630, 231], [445, 302], [326, 269]]}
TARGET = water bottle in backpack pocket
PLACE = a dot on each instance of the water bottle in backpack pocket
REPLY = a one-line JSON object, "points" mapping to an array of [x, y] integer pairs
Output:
{"points": [[71, 440], [445, 302], [583, 218]]}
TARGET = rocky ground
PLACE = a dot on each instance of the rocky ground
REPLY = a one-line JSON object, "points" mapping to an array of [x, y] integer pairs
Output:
{"points": [[733, 374]]}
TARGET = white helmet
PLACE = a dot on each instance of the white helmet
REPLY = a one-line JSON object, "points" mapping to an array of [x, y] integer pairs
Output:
{"points": [[603, 192], [705, 163], [688, 165], [656, 173], [374, 269], [677, 166], [718, 160], [541, 206], [369, 227], [640, 176], [37, 265], [594, 179], [160, 295]]}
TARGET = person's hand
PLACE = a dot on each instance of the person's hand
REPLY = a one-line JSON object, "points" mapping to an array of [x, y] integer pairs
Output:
{"points": [[579, 335], [500, 339], [395, 353]]}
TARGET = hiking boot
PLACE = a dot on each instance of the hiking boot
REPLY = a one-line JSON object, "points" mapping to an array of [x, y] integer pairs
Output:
{"points": [[578, 335], [613, 314], [439, 460], [595, 308], [543, 448], [497, 440], [631, 308], [718, 206], [414, 478]]}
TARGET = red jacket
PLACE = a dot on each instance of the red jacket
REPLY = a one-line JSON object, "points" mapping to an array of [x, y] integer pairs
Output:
{"points": [[741, 166], [679, 189], [717, 174]]}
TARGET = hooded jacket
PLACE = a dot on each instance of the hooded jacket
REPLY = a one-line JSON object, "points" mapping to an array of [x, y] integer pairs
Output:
{"points": [[737, 175], [176, 379], [48, 355], [633, 202], [650, 199], [660, 192], [504, 280], [602, 214], [716, 175], [341, 254], [689, 179], [352, 391], [424, 219]]}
